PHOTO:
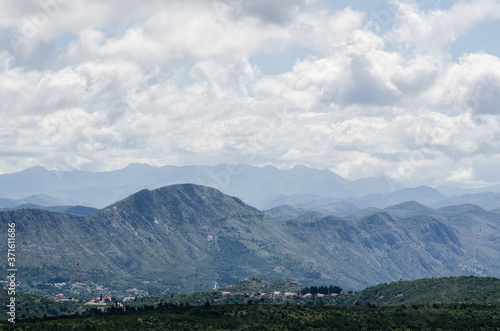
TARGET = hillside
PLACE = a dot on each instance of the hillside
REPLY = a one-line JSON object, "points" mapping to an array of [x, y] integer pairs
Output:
{"points": [[188, 230], [449, 290], [188, 237], [254, 284], [477, 290], [33, 306], [454, 303]]}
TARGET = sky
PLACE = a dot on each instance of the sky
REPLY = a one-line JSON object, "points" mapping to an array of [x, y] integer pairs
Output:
{"points": [[404, 89]]}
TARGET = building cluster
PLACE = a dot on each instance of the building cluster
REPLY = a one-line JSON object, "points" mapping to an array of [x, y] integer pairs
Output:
{"points": [[138, 292], [62, 297], [275, 294]]}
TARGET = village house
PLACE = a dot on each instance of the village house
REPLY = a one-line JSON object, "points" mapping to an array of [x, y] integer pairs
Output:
{"points": [[79, 285], [128, 299]]}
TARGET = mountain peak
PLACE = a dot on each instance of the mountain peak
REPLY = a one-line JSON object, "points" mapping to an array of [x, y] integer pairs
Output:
{"points": [[138, 166], [409, 205], [464, 208], [184, 201], [34, 170], [409, 208]]}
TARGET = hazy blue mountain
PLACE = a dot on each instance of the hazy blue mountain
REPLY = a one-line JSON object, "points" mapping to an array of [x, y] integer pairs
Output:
{"points": [[300, 201], [411, 208], [341, 208], [45, 202], [486, 200], [187, 237], [255, 185], [314, 203], [457, 190], [381, 184], [41, 200], [365, 212], [80, 210], [264, 187], [73, 210], [37, 199], [7, 203], [423, 194], [286, 212]]}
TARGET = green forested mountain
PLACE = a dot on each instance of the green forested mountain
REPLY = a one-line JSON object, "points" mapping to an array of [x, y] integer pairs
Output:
{"points": [[188, 237], [465, 289]]}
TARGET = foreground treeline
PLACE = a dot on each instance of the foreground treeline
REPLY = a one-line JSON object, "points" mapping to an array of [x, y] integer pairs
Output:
{"points": [[447, 290], [257, 291], [278, 317], [31, 305]]}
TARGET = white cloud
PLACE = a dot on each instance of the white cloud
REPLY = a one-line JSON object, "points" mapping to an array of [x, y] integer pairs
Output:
{"points": [[173, 83], [472, 84], [435, 29]]}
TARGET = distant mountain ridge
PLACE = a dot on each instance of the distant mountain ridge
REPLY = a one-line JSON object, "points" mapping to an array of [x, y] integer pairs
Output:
{"points": [[38, 199], [263, 187], [255, 185], [188, 237]]}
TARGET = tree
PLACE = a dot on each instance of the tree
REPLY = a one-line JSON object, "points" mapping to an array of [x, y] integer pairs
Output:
{"points": [[336, 289]]}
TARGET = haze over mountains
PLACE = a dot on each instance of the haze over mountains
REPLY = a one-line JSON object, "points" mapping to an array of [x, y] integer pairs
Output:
{"points": [[310, 225], [188, 237], [262, 187]]}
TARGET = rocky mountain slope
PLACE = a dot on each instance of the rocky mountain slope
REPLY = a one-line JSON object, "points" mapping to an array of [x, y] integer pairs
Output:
{"points": [[188, 237]]}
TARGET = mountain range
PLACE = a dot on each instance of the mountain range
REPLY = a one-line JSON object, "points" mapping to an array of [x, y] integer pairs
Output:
{"points": [[263, 187], [188, 237]]}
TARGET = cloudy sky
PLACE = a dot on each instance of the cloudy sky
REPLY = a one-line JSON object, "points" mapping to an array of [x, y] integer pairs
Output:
{"points": [[405, 89]]}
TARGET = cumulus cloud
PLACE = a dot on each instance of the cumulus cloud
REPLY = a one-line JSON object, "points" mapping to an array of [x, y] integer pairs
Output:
{"points": [[434, 29], [100, 84]]}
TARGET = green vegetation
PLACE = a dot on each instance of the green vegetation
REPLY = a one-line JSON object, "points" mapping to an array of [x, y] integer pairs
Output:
{"points": [[32, 306], [453, 303], [283, 317], [469, 290], [480, 290], [254, 284]]}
